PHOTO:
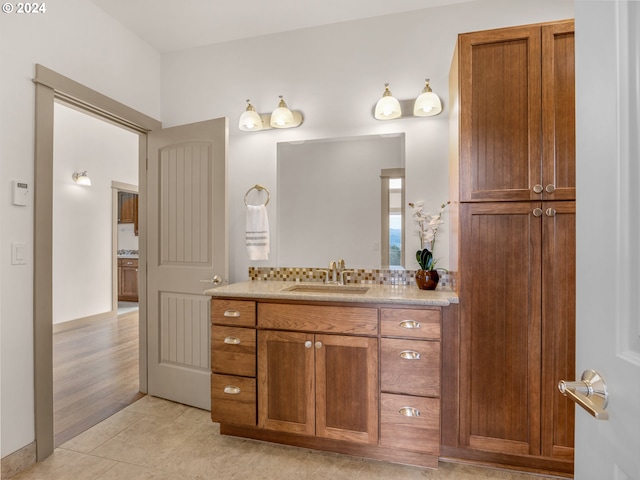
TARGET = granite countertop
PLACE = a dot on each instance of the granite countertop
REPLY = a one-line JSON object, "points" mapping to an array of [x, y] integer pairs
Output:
{"points": [[392, 294]]}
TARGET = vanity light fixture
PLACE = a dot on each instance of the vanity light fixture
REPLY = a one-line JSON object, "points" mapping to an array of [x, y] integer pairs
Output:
{"points": [[388, 107], [282, 116], [82, 179], [250, 121], [428, 103]]}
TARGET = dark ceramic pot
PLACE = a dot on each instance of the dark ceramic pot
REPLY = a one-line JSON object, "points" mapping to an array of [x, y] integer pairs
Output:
{"points": [[427, 279]]}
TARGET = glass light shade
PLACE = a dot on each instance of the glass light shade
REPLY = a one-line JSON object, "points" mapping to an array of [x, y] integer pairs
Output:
{"points": [[82, 179], [427, 104], [250, 120], [388, 107], [282, 116]]}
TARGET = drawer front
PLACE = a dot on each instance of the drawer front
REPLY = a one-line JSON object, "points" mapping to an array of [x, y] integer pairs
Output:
{"points": [[233, 350], [411, 323], [233, 400], [233, 312], [319, 318], [410, 423], [411, 367], [128, 262]]}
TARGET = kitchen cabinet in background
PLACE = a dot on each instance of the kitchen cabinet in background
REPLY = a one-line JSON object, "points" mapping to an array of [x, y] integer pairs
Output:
{"points": [[128, 209], [128, 279]]}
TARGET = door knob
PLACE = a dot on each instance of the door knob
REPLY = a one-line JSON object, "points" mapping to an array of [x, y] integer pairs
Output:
{"points": [[550, 188], [216, 280], [537, 188], [537, 212], [590, 393]]}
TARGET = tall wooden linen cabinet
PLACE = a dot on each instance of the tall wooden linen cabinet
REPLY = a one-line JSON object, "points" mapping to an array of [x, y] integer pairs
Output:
{"points": [[513, 186]]}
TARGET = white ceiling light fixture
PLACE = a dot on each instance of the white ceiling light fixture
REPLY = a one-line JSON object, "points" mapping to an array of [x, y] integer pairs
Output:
{"points": [[428, 103], [388, 107], [82, 179], [250, 120]]}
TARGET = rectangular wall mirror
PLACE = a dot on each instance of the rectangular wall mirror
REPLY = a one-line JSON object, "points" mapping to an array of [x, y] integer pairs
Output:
{"points": [[341, 198]]}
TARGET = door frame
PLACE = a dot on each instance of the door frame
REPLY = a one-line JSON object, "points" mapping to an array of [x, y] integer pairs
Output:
{"points": [[49, 87]]}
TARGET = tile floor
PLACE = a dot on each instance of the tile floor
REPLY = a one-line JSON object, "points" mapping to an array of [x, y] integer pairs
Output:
{"points": [[155, 439]]}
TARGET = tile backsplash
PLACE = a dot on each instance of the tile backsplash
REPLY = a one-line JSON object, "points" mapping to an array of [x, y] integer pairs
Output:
{"points": [[366, 276]]}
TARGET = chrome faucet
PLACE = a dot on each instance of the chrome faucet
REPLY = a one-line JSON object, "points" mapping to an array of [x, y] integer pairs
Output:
{"points": [[334, 275]]}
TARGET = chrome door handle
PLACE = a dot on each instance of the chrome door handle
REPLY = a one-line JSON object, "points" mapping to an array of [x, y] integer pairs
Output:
{"points": [[216, 280], [590, 393]]}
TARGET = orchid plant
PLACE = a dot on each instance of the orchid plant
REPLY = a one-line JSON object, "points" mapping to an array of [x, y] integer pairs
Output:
{"points": [[427, 228]]}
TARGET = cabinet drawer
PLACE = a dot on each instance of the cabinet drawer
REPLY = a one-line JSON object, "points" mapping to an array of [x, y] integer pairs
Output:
{"points": [[410, 423], [233, 312], [410, 366], [233, 399], [411, 323], [233, 350], [319, 318]]}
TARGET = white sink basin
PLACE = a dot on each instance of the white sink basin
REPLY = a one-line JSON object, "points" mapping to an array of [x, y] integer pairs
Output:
{"points": [[321, 288]]}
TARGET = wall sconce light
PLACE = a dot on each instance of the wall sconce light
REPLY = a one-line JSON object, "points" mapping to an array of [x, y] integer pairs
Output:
{"points": [[250, 121], [427, 104], [82, 179], [281, 117], [388, 107]]}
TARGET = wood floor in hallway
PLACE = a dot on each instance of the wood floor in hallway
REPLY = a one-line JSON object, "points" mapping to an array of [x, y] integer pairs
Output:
{"points": [[95, 372]]}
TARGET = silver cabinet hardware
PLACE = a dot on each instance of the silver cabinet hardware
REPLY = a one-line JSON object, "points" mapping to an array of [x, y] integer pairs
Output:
{"points": [[216, 280], [409, 412], [410, 355], [550, 188], [308, 344], [590, 393], [551, 212], [232, 341], [410, 324], [537, 188], [318, 345], [232, 390], [537, 212], [231, 313]]}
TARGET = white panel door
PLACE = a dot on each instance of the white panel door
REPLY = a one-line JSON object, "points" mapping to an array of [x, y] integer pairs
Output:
{"points": [[608, 233], [186, 246]]}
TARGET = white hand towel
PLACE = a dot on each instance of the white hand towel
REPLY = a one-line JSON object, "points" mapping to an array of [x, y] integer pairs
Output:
{"points": [[257, 225]]}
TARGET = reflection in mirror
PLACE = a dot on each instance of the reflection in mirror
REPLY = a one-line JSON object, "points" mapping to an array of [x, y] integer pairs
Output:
{"points": [[341, 198]]}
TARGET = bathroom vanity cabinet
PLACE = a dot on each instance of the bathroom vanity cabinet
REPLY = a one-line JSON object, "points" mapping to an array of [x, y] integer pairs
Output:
{"points": [[357, 378]]}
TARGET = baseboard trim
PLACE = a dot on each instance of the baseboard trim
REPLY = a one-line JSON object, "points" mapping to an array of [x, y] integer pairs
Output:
{"points": [[81, 322], [18, 461]]}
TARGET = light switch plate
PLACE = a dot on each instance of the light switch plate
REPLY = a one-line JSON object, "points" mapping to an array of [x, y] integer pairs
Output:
{"points": [[18, 254]]}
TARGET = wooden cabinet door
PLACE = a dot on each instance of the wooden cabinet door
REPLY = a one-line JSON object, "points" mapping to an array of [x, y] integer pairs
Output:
{"points": [[500, 328], [347, 388], [558, 326], [128, 280], [286, 385], [127, 205], [500, 114]]}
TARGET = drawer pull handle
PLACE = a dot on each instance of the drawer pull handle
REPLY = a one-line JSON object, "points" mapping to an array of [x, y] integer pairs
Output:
{"points": [[410, 355], [410, 324], [232, 341], [232, 390], [231, 313], [409, 412]]}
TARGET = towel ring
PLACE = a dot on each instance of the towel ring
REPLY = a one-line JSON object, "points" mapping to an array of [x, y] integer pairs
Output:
{"points": [[259, 188]]}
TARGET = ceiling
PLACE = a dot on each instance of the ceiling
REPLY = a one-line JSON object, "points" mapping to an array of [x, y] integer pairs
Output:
{"points": [[171, 25]]}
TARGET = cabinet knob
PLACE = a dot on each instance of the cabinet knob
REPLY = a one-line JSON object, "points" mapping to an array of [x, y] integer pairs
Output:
{"points": [[409, 412], [231, 390], [308, 344], [410, 355], [551, 212], [318, 345], [409, 324], [550, 188], [537, 188], [537, 212]]}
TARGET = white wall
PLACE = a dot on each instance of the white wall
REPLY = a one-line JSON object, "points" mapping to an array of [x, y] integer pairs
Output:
{"points": [[82, 216], [335, 74], [78, 40]]}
